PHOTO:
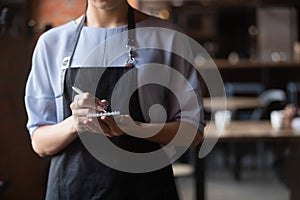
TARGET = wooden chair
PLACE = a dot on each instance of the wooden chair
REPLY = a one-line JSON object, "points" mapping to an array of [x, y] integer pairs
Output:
{"points": [[275, 99]]}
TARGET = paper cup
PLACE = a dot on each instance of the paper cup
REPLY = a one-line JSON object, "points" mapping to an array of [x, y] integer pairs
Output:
{"points": [[296, 124], [277, 117], [222, 118]]}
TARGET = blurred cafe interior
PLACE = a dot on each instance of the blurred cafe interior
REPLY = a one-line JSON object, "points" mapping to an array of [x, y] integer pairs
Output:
{"points": [[255, 45]]}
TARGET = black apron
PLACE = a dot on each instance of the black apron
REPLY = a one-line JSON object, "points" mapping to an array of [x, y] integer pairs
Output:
{"points": [[76, 174]]}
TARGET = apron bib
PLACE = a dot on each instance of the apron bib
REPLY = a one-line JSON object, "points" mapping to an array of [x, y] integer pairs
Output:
{"points": [[75, 173]]}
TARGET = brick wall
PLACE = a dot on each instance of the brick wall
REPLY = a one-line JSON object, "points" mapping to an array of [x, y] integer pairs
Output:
{"points": [[57, 12]]}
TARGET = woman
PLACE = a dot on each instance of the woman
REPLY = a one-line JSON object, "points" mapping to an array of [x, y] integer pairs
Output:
{"points": [[56, 117]]}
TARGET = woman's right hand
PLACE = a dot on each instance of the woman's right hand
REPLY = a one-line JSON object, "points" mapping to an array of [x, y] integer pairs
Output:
{"points": [[84, 104]]}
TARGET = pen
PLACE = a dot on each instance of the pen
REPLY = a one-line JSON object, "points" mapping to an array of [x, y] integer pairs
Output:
{"points": [[79, 91]]}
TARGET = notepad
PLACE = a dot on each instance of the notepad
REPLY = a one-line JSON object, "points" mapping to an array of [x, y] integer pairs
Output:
{"points": [[103, 114]]}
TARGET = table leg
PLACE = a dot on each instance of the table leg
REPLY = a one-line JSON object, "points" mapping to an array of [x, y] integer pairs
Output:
{"points": [[200, 178]]}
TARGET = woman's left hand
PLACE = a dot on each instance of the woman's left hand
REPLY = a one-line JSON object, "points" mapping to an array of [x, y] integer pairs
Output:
{"points": [[112, 128]]}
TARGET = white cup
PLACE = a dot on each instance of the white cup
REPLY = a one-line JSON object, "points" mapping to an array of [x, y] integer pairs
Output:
{"points": [[277, 117], [296, 124], [222, 118]]}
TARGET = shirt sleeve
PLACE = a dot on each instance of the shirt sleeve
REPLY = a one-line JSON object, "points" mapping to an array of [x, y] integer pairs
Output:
{"points": [[168, 78], [39, 96], [188, 105]]}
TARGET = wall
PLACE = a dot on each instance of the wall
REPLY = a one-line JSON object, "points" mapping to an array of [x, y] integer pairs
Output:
{"points": [[57, 12], [22, 173]]}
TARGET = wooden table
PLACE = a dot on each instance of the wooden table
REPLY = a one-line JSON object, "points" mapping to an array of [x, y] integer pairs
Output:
{"points": [[250, 130], [241, 131], [231, 103]]}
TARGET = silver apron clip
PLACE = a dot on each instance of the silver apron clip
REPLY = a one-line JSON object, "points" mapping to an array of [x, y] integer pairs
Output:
{"points": [[66, 62]]}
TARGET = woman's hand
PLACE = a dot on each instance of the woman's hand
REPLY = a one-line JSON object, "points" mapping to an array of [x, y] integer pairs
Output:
{"points": [[117, 125], [84, 104]]}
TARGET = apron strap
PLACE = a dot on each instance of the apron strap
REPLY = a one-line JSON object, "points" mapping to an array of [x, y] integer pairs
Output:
{"points": [[131, 27], [76, 38], [131, 45], [131, 38]]}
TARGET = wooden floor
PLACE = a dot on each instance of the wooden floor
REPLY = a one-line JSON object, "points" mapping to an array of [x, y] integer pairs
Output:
{"points": [[255, 184], [221, 186]]}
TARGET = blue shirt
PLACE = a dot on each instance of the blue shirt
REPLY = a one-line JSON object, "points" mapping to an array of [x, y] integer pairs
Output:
{"points": [[157, 43]]}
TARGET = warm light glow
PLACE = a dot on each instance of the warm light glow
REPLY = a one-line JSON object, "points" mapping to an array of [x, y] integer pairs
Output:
{"points": [[164, 14], [134, 3]]}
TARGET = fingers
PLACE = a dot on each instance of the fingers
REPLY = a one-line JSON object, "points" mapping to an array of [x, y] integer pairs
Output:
{"points": [[93, 125], [105, 125], [101, 105], [87, 100], [83, 123], [110, 127], [79, 111], [83, 105], [106, 129]]}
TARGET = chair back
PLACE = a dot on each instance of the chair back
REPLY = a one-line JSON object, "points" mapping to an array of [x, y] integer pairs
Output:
{"points": [[293, 90], [244, 88], [274, 99]]}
